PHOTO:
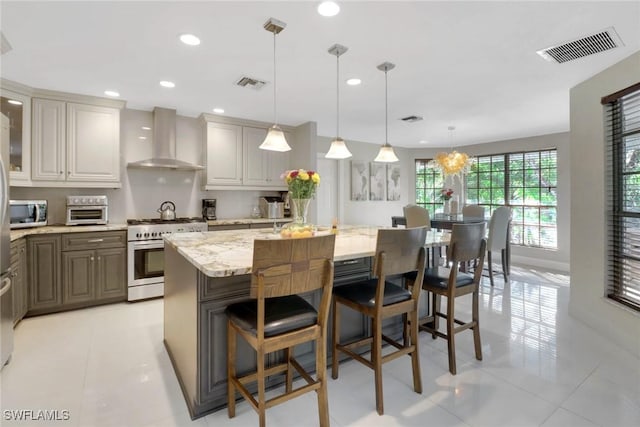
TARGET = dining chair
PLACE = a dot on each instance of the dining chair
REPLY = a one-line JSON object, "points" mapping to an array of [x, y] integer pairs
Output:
{"points": [[474, 211], [416, 216], [499, 240], [398, 251], [277, 318], [467, 244]]}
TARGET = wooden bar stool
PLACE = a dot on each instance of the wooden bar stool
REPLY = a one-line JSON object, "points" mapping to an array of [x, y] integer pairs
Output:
{"points": [[397, 251], [467, 244], [279, 319]]}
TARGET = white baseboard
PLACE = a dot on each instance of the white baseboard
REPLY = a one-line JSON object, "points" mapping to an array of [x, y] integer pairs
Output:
{"points": [[542, 263]]}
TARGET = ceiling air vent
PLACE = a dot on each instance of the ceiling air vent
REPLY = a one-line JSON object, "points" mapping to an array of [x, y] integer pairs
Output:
{"points": [[411, 119], [584, 46], [250, 82]]}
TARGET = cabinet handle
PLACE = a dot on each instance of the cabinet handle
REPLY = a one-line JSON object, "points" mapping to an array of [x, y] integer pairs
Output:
{"points": [[91, 259], [350, 262], [61, 172], [98, 259], [95, 240]]}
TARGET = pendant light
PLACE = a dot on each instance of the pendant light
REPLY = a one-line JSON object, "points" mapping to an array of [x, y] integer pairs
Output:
{"points": [[338, 148], [453, 163], [386, 153], [275, 140]]}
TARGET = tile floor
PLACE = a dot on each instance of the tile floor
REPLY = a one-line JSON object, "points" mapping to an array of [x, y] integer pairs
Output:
{"points": [[107, 366]]}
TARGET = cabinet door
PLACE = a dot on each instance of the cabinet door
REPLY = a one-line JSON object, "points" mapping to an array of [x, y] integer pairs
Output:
{"points": [[111, 273], [78, 276], [224, 154], [278, 164], [255, 164], [48, 140], [19, 279], [93, 143], [19, 113], [44, 272]]}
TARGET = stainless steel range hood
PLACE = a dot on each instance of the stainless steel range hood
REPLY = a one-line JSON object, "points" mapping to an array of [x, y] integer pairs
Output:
{"points": [[164, 144]]}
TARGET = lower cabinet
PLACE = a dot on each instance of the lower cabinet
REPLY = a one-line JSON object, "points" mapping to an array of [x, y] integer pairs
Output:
{"points": [[76, 270], [19, 279]]}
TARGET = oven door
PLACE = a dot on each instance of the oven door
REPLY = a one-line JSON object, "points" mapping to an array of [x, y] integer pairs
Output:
{"points": [[146, 262]]}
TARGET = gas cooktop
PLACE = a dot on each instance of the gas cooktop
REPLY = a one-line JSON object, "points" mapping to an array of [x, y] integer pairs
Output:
{"points": [[150, 221]]}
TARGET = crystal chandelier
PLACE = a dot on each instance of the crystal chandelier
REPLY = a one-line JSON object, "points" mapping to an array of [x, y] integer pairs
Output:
{"points": [[453, 163]]}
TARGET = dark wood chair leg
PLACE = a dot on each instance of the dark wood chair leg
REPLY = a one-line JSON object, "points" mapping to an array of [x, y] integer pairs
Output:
{"points": [[405, 329], [289, 373], [476, 325], [436, 309], [451, 333], [231, 370], [415, 355], [505, 267], [334, 339], [376, 359], [490, 265]]}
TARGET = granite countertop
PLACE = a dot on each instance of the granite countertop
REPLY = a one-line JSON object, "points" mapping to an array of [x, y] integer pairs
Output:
{"points": [[233, 221], [54, 229], [230, 253]]}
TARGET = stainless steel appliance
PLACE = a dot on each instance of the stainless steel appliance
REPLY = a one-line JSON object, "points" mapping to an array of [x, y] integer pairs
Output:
{"points": [[28, 213], [271, 207], [87, 210], [145, 250], [167, 211], [6, 297], [284, 195], [209, 209]]}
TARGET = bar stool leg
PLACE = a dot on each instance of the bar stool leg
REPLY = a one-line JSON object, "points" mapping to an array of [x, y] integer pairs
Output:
{"points": [[415, 358], [289, 374], [476, 326], [231, 371], [376, 356], [334, 339], [490, 267], [451, 334], [435, 303], [321, 375]]}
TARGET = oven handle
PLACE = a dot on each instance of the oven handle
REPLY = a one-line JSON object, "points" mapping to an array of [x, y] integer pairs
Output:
{"points": [[146, 245]]}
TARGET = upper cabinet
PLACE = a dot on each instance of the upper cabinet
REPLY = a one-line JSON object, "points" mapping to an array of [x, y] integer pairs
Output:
{"points": [[75, 144], [17, 108], [235, 161]]}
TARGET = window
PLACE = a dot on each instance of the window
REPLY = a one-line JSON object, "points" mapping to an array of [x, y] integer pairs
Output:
{"points": [[429, 183], [525, 181], [623, 203]]}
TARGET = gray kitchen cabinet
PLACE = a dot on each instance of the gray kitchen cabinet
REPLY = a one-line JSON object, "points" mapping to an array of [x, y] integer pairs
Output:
{"points": [[223, 148], [75, 144], [19, 279], [44, 262], [75, 270], [229, 227]]}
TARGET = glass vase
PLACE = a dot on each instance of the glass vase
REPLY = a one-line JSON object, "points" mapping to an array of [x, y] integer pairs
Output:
{"points": [[299, 227], [446, 207]]}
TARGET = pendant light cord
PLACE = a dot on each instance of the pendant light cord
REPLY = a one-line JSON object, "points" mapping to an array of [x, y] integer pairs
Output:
{"points": [[338, 96], [275, 109], [386, 110]]}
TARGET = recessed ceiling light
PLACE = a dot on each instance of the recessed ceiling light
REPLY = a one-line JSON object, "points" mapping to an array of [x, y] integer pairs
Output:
{"points": [[354, 82], [190, 39], [423, 142], [142, 137], [218, 110], [111, 93], [14, 102], [328, 8], [146, 128], [166, 83]]}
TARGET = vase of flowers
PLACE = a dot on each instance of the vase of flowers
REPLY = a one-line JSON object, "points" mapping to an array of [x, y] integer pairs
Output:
{"points": [[445, 195], [302, 187]]}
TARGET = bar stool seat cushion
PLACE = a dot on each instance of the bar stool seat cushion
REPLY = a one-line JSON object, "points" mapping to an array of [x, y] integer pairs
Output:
{"points": [[439, 278], [282, 314], [364, 293]]}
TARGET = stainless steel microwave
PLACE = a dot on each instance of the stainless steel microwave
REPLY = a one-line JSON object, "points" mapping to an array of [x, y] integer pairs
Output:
{"points": [[28, 213]]}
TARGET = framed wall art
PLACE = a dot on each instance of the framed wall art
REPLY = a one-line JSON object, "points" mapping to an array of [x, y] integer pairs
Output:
{"points": [[359, 180], [393, 183], [377, 182]]}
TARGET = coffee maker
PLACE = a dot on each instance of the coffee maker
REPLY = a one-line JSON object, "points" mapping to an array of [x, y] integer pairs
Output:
{"points": [[209, 209]]}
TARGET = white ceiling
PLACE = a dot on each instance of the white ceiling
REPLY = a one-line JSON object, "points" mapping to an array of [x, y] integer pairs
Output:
{"points": [[468, 64]]}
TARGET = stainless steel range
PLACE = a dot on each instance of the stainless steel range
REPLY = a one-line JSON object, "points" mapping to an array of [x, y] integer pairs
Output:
{"points": [[145, 249]]}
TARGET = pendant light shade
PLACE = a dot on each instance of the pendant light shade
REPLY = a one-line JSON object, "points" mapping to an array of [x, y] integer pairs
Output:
{"points": [[275, 140], [338, 149], [386, 153]]}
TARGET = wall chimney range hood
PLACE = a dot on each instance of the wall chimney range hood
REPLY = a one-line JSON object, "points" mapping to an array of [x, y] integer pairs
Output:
{"points": [[164, 144]]}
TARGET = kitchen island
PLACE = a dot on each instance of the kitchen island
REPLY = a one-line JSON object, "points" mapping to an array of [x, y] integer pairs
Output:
{"points": [[205, 272]]}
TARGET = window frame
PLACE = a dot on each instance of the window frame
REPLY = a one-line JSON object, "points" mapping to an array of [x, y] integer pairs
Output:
{"points": [[436, 179]]}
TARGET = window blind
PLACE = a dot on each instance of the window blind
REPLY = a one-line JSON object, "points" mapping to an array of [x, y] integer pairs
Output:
{"points": [[622, 126]]}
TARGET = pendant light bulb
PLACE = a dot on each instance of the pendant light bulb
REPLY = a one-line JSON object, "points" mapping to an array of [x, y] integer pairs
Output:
{"points": [[275, 140], [386, 153], [338, 149]]}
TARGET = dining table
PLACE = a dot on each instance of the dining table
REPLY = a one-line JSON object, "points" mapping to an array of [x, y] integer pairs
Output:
{"points": [[441, 221]]}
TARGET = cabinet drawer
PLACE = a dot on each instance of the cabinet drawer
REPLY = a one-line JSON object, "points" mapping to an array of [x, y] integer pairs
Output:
{"points": [[106, 239], [350, 266]]}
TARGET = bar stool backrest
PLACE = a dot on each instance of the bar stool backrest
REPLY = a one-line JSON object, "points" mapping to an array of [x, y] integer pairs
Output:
{"points": [[467, 242], [399, 251]]}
